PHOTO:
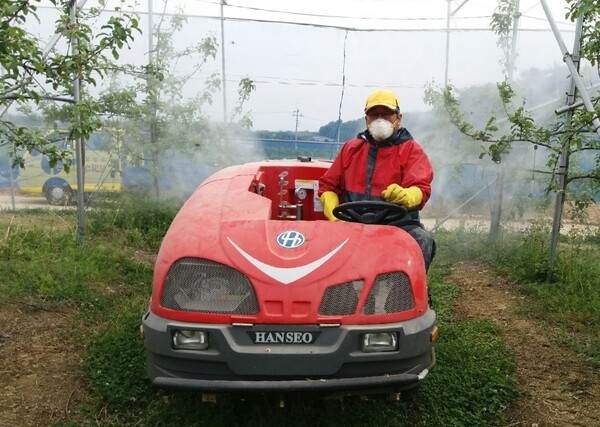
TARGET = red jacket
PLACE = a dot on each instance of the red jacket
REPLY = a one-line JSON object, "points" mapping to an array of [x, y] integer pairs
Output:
{"points": [[363, 169]]}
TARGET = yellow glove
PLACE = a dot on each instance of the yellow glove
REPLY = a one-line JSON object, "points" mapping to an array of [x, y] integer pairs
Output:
{"points": [[410, 197], [329, 200]]}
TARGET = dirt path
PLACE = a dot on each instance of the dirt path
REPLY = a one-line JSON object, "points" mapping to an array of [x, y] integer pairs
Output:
{"points": [[39, 372], [559, 389], [40, 380]]}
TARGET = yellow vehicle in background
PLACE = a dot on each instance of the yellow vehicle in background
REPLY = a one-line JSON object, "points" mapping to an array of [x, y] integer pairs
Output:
{"points": [[102, 170]]}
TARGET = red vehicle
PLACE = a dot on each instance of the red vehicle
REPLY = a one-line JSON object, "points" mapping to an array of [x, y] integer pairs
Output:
{"points": [[255, 291]]}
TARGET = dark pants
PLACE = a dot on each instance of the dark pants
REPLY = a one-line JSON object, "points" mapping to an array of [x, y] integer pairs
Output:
{"points": [[427, 245], [425, 241]]}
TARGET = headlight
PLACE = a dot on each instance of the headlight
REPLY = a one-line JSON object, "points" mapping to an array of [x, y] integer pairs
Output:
{"points": [[190, 340], [204, 286], [380, 341]]}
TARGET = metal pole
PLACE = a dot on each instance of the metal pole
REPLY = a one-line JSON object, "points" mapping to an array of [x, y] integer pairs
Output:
{"points": [[150, 32], [513, 46], [224, 78], [153, 100], [297, 115], [447, 42], [11, 180], [450, 13], [563, 167], [496, 211], [573, 69], [79, 153]]}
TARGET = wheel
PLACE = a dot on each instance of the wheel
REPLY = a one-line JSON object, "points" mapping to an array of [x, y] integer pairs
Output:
{"points": [[58, 194], [370, 212]]}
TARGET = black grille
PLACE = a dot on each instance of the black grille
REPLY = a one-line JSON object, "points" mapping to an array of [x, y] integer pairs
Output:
{"points": [[200, 285], [341, 300], [390, 293]]}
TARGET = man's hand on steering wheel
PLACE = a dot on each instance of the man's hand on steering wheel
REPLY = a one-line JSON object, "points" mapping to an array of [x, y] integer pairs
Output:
{"points": [[410, 197]]}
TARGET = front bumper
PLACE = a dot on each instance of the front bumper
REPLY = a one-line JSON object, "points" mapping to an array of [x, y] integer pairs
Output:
{"points": [[382, 383], [335, 362]]}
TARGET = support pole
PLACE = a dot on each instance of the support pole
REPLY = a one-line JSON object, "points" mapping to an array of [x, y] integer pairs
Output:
{"points": [[498, 200], [513, 42], [79, 152], [297, 115], [224, 77], [153, 98], [563, 167], [573, 69], [150, 32], [449, 14]]}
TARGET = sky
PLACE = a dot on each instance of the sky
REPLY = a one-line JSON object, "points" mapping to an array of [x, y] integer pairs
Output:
{"points": [[314, 61]]}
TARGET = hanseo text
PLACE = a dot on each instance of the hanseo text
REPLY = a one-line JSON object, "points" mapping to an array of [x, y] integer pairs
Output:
{"points": [[283, 337]]}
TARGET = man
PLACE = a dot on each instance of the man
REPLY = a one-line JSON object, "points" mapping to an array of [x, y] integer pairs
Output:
{"points": [[382, 163]]}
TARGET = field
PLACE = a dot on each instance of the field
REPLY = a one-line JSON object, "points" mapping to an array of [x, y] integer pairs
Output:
{"points": [[511, 353]]}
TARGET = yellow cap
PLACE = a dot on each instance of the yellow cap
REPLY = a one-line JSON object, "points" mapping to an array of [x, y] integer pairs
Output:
{"points": [[383, 97]]}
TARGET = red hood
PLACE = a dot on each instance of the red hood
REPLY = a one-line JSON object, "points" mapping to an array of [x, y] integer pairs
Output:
{"points": [[291, 262]]}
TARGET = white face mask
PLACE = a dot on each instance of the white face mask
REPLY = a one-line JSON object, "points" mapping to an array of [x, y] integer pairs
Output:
{"points": [[380, 129]]}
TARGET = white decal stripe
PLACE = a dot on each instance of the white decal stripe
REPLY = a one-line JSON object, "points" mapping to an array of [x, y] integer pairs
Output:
{"points": [[287, 275]]}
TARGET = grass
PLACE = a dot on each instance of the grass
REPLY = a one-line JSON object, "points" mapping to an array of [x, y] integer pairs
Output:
{"points": [[469, 355], [565, 294], [107, 283]]}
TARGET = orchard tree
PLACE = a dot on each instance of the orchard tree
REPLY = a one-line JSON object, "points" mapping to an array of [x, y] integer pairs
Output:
{"points": [[171, 116], [517, 124], [32, 73], [150, 110]]}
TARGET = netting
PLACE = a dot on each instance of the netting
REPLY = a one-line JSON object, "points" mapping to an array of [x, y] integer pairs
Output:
{"points": [[319, 70]]}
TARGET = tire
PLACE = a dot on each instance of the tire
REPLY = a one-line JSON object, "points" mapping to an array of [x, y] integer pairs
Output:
{"points": [[59, 194]]}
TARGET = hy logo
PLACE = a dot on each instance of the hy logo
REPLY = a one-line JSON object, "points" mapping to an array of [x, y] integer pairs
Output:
{"points": [[290, 239]]}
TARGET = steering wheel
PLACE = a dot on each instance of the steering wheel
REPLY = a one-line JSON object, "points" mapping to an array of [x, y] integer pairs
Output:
{"points": [[370, 212]]}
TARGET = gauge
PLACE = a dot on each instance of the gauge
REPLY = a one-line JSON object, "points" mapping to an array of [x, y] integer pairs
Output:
{"points": [[301, 193]]}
